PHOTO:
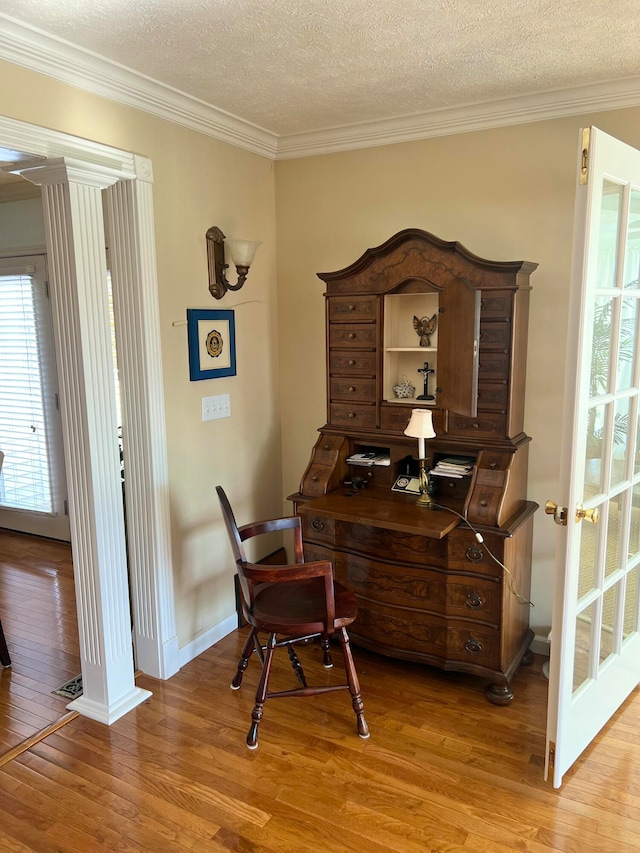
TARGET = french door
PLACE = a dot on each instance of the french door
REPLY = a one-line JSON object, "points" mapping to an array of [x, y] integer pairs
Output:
{"points": [[595, 644], [32, 479]]}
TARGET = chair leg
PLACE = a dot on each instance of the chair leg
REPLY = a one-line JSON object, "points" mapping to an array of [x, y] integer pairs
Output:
{"points": [[261, 692], [354, 685], [5, 657], [325, 642], [297, 666], [243, 663]]}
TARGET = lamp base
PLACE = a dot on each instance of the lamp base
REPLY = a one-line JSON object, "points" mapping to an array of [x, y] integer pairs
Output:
{"points": [[427, 502]]}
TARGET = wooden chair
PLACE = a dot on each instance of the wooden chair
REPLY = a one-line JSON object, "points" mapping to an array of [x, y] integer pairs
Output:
{"points": [[5, 658], [294, 603]]}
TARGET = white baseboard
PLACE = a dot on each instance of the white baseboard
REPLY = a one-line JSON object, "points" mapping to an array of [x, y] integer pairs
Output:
{"points": [[540, 645], [209, 638]]}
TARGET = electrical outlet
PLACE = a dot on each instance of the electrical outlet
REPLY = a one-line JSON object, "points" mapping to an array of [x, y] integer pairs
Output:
{"points": [[218, 406]]}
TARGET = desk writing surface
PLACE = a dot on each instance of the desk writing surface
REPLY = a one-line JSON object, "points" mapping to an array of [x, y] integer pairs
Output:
{"points": [[383, 508]]}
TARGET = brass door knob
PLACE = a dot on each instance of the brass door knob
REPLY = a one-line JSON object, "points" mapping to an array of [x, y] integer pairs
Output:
{"points": [[591, 515]]}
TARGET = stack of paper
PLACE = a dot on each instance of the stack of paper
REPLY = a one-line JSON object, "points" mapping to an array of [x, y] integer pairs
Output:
{"points": [[369, 459], [454, 466]]}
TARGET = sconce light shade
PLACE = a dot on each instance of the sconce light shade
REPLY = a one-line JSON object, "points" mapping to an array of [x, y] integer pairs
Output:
{"points": [[242, 253]]}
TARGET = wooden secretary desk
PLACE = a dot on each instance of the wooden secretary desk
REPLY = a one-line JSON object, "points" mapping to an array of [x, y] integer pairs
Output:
{"points": [[427, 589]]}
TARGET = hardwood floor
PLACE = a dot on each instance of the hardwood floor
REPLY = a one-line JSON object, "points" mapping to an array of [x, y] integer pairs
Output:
{"points": [[38, 612], [443, 772]]}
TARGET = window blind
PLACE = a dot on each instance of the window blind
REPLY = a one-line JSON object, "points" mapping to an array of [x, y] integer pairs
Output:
{"points": [[25, 480]]}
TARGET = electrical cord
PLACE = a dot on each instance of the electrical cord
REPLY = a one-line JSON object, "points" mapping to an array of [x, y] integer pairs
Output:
{"points": [[479, 538]]}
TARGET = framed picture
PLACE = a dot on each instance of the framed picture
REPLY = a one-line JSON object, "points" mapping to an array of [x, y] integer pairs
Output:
{"points": [[212, 343]]}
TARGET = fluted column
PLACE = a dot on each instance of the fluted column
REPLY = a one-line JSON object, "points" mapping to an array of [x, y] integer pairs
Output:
{"points": [[71, 193], [129, 211]]}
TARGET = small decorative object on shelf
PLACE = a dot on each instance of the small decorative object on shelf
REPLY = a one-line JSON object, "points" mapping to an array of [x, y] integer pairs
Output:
{"points": [[426, 372], [404, 390], [425, 327]]}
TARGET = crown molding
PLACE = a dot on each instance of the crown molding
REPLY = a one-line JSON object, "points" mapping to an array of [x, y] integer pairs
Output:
{"points": [[597, 97], [38, 51]]}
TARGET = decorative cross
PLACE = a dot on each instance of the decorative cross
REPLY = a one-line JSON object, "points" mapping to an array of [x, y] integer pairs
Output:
{"points": [[426, 370]]}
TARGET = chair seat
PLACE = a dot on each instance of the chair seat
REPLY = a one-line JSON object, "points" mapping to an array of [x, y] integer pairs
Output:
{"points": [[300, 607]]}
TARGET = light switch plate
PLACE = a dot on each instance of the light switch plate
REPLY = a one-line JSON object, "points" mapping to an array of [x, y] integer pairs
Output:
{"points": [[218, 406]]}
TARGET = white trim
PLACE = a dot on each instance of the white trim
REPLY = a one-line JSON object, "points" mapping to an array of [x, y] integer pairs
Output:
{"points": [[207, 639], [38, 51], [75, 209], [611, 95], [108, 715], [540, 645], [34, 49]]}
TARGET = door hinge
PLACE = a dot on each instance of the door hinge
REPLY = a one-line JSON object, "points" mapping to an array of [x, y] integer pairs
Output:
{"points": [[46, 289], [56, 399], [66, 507], [552, 758], [584, 157]]}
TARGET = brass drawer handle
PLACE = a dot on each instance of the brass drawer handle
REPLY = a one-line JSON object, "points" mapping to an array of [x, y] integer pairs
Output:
{"points": [[314, 479], [473, 646], [475, 425], [474, 554], [351, 362], [327, 447], [351, 415], [473, 600], [352, 335], [352, 388], [317, 524], [352, 307]]}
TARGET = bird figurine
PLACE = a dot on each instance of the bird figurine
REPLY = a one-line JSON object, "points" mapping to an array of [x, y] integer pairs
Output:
{"points": [[425, 327]]}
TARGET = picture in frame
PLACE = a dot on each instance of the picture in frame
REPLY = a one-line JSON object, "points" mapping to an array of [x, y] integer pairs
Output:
{"points": [[212, 343]]}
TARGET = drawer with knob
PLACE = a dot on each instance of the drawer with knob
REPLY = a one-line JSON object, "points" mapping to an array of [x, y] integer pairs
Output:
{"points": [[476, 645], [356, 335], [349, 308], [485, 425], [466, 554], [318, 528], [352, 363], [362, 390], [327, 449], [354, 415], [316, 480]]}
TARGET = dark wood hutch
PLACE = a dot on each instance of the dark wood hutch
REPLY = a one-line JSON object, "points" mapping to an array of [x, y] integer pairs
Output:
{"points": [[428, 590]]}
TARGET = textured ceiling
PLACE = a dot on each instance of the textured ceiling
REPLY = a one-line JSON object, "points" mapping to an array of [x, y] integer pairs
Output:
{"points": [[299, 65]]}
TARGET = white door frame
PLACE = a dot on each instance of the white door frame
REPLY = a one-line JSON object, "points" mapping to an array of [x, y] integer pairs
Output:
{"points": [[73, 172]]}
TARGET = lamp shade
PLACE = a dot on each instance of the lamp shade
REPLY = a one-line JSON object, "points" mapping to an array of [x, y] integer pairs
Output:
{"points": [[420, 424], [242, 251]]}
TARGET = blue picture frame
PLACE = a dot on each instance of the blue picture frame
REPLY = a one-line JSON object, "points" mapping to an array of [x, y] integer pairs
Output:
{"points": [[212, 343]]}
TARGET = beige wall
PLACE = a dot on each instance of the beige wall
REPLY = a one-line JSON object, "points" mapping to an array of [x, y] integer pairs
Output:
{"points": [[198, 182], [505, 194]]}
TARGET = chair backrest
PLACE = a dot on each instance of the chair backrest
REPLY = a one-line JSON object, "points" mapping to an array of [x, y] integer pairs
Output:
{"points": [[251, 574]]}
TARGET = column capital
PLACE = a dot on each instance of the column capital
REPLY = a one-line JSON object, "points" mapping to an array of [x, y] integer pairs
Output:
{"points": [[66, 170]]}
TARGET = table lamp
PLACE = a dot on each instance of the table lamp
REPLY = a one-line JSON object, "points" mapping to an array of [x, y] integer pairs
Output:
{"points": [[420, 426]]}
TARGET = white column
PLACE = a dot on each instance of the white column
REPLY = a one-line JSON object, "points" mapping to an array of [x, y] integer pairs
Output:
{"points": [[132, 258], [71, 193]]}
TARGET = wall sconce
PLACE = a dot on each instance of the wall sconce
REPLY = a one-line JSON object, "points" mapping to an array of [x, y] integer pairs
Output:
{"points": [[242, 253], [420, 426]]}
